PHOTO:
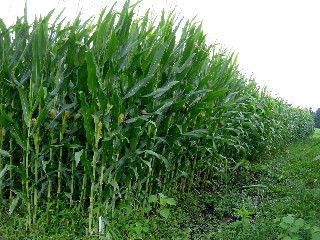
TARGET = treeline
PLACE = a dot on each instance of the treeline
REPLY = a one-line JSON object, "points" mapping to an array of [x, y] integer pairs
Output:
{"points": [[316, 117]]}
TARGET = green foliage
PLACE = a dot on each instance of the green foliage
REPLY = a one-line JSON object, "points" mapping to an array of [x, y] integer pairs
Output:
{"points": [[316, 118], [292, 187], [296, 228], [244, 213], [123, 108], [163, 201], [136, 223]]}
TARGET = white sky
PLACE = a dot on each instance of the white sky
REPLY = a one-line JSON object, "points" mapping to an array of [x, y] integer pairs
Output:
{"points": [[278, 41]]}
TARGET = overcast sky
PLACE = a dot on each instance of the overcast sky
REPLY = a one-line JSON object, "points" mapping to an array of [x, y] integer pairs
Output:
{"points": [[278, 41]]}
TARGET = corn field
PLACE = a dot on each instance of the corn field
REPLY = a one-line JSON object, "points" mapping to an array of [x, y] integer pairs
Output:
{"points": [[100, 111]]}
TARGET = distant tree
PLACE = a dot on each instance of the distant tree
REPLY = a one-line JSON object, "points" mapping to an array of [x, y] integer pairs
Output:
{"points": [[317, 118], [313, 114]]}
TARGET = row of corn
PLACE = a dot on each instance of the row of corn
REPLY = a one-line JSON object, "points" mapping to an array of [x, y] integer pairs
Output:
{"points": [[96, 112]]}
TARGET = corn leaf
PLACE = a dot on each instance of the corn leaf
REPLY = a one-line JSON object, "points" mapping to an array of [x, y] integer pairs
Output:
{"points": [[3, 171], [15, 130], [87, 119], [160, 91], [25, 107], [13, 204], [4, 153], [77, 156], [159, 156], [92, 79], [138, 86], [196, 133]]}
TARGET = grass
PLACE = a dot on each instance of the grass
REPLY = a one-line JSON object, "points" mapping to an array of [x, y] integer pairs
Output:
{"points": [[292, 180], [291, 177]]}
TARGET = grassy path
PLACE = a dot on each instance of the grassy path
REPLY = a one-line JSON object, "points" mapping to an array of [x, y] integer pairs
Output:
{"points": [[287, 208], [294, 181], [292, 178]]}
